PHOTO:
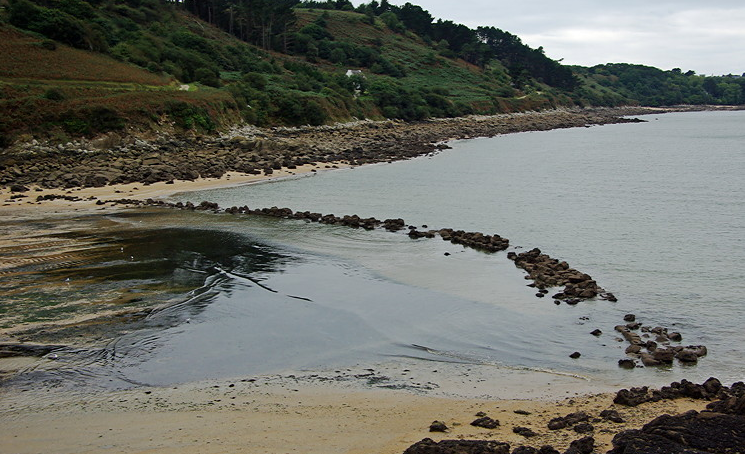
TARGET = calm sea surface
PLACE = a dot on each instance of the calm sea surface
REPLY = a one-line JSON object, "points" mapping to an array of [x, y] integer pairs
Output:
{"points": [[653, 211]]}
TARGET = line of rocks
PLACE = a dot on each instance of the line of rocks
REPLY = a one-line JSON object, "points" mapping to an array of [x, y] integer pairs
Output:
{"points": [[548, 272], [474, 240], [112, 159]]}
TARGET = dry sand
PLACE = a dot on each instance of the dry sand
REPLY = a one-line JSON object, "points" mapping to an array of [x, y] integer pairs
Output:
{"points": [[28, 206], [282, 416]]}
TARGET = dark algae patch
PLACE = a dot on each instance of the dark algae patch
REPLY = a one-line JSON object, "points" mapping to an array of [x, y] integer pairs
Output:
{"points": [[102, 277]]}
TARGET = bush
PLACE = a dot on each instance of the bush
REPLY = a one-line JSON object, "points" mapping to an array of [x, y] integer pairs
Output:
{"points": [[188, 116], [338, 56], [207, 77], [314, 113], [53, 94], [391, 21], [255, 80]]}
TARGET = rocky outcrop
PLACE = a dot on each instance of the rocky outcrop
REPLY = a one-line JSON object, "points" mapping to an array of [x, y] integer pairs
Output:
{"points": [[475, 240], [709, 390], [657, 352], [429, 446], [718, 430]]}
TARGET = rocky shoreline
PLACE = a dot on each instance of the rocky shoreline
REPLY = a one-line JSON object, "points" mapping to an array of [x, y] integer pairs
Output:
{"points": [[114, 159], [718, 429]]}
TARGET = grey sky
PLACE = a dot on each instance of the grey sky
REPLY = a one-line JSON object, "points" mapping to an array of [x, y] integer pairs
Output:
{"points": [[705, 36]]}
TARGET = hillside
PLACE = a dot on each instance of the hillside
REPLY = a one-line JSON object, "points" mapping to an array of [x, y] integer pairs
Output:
{"points": [[71, 68]]}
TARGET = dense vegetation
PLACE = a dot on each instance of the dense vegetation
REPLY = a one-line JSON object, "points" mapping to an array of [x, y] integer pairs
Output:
{"points": [[654, 87], [272, 62]]}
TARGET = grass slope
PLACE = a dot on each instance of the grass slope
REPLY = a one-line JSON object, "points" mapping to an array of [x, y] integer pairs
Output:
{"points": [[52, 91], [58, 92]]}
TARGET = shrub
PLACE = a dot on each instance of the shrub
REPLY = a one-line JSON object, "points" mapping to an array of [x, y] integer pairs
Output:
{"points": [[53, 94], [188, 116], [255, 80], [314, 113], [207, 77], [391, 21]]}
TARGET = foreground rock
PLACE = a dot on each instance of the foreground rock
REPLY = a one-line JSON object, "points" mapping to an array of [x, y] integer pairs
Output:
{"points": [[718, 430], [429, 446]]}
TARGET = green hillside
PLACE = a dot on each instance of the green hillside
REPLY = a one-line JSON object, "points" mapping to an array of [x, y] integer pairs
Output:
{"points": [[71, 68]]}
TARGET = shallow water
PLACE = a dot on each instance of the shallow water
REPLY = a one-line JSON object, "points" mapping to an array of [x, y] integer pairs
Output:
{"points": [[652, 211]]}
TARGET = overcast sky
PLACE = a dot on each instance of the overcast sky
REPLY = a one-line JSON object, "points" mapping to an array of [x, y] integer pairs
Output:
{"points": [[707, 36]]}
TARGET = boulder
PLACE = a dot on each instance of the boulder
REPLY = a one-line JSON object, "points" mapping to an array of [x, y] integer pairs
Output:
{"points": [[557, 423], [525, 450], [438, 426], [486, 422], [631, 397], [664, 355], [649, 361], [429, 446], [548, 450], [583, 427], [524, 431], [612, 415], [584, 445], [687, 356]]}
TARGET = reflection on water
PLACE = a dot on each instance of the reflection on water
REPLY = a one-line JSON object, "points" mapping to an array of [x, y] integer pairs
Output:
{"points": [[257, 308]]}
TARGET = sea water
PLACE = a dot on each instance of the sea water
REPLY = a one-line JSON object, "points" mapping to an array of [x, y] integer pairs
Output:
{"points": [[653, 211]]}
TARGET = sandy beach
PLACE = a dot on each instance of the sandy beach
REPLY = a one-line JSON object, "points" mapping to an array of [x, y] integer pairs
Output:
{"points": [[89, 196], [284, 414]]}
